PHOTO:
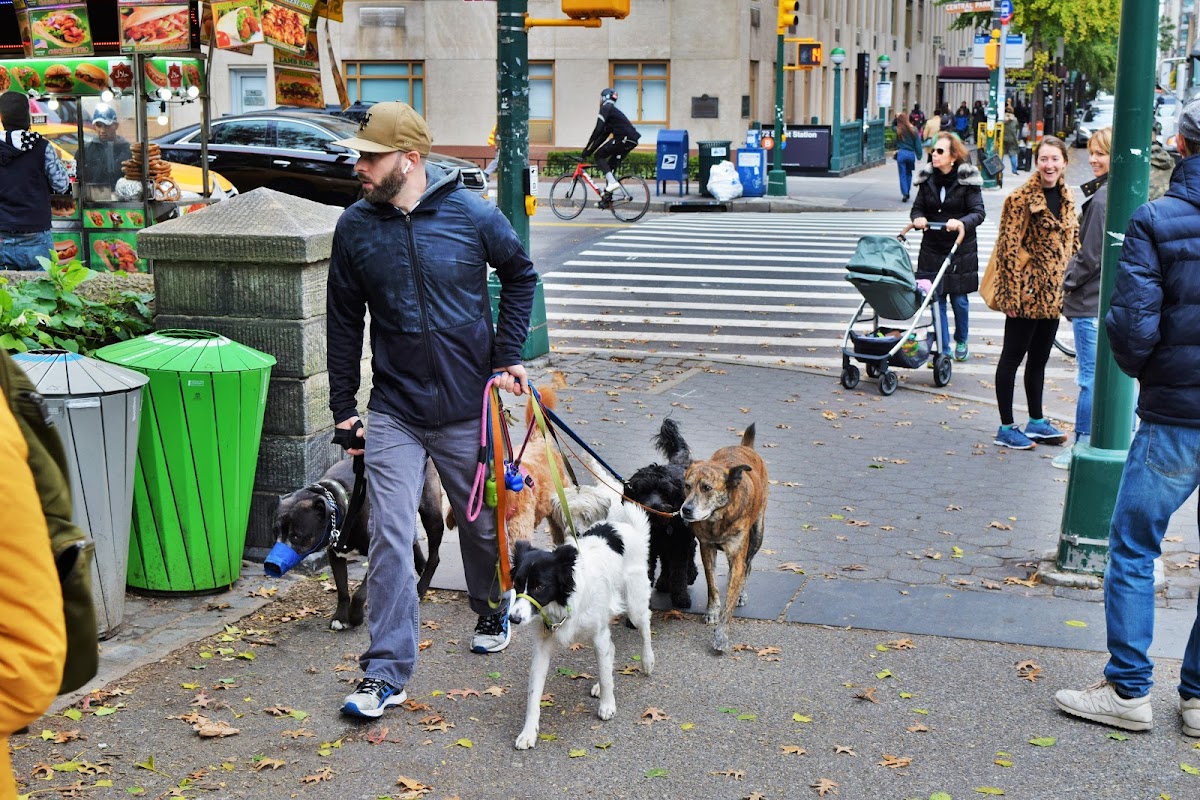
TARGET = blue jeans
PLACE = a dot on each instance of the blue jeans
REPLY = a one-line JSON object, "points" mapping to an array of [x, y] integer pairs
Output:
{"points": [[1161, 472], [395, 461], [1012, 159], [20, 251], [905, 161], [961, 304], [1085, 371]]}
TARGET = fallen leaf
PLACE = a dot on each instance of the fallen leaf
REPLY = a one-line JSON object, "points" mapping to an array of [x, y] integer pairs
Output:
{"points": [[269, 763], [495, 691], [999, 526], [656, 773], [299, 732], [651, 715], [214, 728], [415, 787], [576, 753], [895, 762], [325, 774], [377, 735], [902, 644], [844, 749], [1043, 741], [918, 727], [801, 718], [1029, 671], [792, 566], [824, 786], [1188, 768], [467, 743], [1074, 623], [454, 694], [736, 774], [989, 790], [867, 694], [792, 750]]}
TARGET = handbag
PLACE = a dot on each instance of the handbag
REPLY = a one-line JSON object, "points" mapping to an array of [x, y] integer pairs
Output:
{"points": [[987, 284]]}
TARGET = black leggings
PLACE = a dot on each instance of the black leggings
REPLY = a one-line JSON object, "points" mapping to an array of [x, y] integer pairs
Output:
{"points": [[1024, 337], [610, 154]]}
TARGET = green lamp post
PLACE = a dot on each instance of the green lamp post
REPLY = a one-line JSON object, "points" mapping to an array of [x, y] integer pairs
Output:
{"points": [[838, 57], [885, 61]]}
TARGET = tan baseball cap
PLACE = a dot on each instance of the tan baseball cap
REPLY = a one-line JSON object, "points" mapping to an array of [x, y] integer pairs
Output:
{"points": [[391, 127]]}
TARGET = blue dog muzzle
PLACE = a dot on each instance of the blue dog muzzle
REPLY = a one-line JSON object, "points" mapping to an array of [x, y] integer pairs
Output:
{"points": [[281, 558]]}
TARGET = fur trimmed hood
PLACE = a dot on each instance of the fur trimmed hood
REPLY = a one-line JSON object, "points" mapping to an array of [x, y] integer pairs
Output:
{"points": [[967, 175]]}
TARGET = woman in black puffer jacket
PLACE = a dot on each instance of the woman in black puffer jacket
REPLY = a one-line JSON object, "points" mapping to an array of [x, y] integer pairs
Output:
{"points": [[950, 190]]}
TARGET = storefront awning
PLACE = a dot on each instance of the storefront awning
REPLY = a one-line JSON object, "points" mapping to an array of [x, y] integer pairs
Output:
{"points": [[964, 75]]}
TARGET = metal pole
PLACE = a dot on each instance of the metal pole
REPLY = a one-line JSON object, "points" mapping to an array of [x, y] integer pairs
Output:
{"points": [[835, 157], [1096, 467], [512, 111], [776, 176]]}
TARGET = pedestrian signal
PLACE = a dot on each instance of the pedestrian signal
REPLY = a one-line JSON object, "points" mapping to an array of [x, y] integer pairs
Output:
{"points": [[808, 54], [787, 17]]}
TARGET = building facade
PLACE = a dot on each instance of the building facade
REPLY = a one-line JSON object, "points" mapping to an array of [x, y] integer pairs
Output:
{"points": [[705, 66]]}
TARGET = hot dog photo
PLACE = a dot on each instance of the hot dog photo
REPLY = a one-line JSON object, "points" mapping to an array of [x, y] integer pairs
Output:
{"points": [[154, 28]]}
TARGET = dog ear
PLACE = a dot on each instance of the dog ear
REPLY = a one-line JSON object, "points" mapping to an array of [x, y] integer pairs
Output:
{"points": [[565, 554], [520, 549], [735, 475]]}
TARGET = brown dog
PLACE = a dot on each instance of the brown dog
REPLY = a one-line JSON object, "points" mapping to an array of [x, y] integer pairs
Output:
{"points": [[726, 508]]}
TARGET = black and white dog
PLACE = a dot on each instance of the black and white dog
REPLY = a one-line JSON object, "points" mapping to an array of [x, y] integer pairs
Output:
{"points": [[659, 487], [573, 592]]}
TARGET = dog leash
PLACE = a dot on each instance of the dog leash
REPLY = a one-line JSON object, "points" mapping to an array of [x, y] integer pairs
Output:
{"points": [[550, 626]]}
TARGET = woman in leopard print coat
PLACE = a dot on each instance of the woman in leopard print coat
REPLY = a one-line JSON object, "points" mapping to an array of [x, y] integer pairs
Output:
{"points": [[1038, 235]]}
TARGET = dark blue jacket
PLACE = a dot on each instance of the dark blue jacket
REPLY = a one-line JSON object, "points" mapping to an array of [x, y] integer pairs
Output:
{"points": [[26, 206], [1154, 322], [423, 277]]}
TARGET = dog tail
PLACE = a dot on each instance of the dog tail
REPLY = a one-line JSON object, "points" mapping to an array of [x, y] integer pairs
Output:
{"points": [[549, 400], [748, 436], [670, 443]]}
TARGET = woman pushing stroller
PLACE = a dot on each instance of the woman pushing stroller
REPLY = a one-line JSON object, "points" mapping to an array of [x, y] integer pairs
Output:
{"points": [[949, 190]]}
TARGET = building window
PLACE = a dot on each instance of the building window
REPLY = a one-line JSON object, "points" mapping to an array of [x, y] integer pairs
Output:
{"points": [[379, 81], [643, 91], [541, 102]]}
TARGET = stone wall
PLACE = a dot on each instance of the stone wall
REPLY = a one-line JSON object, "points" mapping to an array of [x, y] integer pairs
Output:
{"points": [[254, 268]]}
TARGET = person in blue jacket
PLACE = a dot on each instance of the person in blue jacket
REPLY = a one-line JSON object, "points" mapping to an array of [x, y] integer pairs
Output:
{"points": [[30, 171], [415, 253], [1153, 326]]}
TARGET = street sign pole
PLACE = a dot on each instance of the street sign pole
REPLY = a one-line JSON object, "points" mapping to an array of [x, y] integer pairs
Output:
{"points": [[776, 176], [1096, 468]]}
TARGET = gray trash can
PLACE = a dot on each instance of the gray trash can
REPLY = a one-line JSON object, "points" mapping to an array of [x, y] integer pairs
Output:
{"points": [[711, 153], [96, 408]]}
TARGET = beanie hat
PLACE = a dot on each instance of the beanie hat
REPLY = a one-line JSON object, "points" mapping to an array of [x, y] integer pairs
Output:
{"points": [[14, 111]]}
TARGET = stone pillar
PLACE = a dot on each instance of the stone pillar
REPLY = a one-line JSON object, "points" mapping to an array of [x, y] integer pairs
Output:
{"points": [[253, 268]]}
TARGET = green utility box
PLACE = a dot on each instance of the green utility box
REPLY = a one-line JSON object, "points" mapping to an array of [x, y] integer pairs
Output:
{"points": [[197, 453], [538, 342]]}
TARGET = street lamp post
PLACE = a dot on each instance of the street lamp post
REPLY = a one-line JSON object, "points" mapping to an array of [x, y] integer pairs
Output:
{"points": [[838, 57], [885, 61]]}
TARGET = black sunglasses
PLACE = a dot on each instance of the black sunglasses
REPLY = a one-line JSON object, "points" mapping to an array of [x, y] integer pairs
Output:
{"points": [[941, 151]]}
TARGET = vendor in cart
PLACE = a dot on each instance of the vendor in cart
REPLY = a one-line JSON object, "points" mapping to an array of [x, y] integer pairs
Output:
{"points": [[103, 155]]}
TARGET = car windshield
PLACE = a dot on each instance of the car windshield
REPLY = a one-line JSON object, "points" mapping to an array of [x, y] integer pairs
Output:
{"points": [[1099, 117]]}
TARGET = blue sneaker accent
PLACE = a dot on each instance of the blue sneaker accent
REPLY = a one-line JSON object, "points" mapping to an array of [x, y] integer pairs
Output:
{"points": [[960, 351], [491, 633], [1012, 437], [371, 698], [1043, 431]]}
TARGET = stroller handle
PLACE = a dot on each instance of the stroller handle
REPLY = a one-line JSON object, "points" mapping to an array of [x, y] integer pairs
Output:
{"points": [[933, 226]]}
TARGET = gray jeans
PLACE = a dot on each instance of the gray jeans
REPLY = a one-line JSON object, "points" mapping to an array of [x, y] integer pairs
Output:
{"points": [[395, 461]]}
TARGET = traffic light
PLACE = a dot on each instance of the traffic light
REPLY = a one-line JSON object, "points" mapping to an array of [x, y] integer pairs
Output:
{"points": [[991, 52], [808, 54], [787, 17], [592, 9]]}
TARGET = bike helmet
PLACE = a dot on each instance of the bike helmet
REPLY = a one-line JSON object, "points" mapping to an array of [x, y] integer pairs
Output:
{"points": [[608, 96]]}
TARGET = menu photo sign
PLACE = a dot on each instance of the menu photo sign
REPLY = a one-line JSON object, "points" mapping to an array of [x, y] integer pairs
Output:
{"points": [[57, 28], [237, 23], [298, 77], [23, 26], [285, 24], [330, 9], [83, 77], [207, 32], [154, 27], [172, 73]]}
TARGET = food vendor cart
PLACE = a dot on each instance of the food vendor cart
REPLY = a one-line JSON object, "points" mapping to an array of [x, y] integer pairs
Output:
{"points": [[74, 70]]}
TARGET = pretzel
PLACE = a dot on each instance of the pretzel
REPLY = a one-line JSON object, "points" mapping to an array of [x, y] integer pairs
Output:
{"points": [[166, 189]]}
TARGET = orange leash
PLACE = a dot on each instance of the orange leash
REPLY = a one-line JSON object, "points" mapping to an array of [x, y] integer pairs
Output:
{"points": [[501, 492]]}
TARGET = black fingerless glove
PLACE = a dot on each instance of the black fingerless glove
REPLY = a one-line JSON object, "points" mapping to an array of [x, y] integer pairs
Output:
{"points": [[348, 438]]}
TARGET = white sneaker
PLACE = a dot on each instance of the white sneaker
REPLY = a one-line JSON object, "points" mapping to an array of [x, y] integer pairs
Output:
{"points": [[1190, 710], [1101, 703], [1063, 459], [612, 188]]}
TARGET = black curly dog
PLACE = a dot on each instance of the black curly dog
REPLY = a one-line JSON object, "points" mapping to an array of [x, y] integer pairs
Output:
{"points": [[659, 487]]}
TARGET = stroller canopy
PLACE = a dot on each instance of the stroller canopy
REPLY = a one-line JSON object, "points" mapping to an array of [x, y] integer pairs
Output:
{"points": [[882, 272]]}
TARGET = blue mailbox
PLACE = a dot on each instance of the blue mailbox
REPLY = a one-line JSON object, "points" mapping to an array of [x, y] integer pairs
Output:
{"points": [[671, 161], [752, 171]]}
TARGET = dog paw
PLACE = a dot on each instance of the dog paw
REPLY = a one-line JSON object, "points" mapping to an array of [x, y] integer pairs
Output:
{"points": [[741, 601], [648, 664], [526, 740], [595, 690], [607, 710], [721, 640], [338, 625], [712, 616]]}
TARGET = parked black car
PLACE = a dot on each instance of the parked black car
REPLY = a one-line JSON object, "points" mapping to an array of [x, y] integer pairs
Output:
{"points": [[290, 151]]}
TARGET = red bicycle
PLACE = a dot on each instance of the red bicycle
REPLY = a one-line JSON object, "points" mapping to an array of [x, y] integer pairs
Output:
{"points": [[569, 194]]}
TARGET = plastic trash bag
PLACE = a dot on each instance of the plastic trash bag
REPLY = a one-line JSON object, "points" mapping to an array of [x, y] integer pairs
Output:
{"points": [[723, 181]]}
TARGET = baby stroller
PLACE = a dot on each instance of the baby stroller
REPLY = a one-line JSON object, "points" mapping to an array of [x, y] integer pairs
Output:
{"points": [[882, 272]]}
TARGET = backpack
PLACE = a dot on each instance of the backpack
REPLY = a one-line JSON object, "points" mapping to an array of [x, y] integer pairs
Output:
{"points": [[73, 551]]}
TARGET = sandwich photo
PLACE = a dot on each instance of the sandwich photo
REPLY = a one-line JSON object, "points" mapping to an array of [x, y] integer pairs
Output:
{"points": [[240, 26], [153, 74], [191, 75], [295, 89], [92, 75], [27, 78], [154, 27], [5, 80], [59, 78], [61, 29], [66, 250]]}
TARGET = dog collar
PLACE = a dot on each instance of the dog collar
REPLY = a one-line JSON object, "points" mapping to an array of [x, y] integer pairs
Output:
{"points": [[551, 626], [334, 496]]}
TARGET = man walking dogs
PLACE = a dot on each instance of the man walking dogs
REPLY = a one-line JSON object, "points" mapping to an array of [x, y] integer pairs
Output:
{"points": [[1154, 327], [415, 253]]}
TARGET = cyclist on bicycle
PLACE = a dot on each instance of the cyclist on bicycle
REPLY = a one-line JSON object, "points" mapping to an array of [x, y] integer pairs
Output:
{"points": [[609, 152]]}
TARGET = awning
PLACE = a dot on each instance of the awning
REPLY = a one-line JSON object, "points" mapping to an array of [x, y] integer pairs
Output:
{"points": [[964, 75]]}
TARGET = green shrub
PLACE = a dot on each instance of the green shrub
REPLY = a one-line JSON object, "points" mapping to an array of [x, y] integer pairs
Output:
{"points": [[47, 312], [640, 163]]}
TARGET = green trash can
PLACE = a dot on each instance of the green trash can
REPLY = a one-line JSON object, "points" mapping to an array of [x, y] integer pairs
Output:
{"points": [[711, 153], [538, 341], [197, 453]]}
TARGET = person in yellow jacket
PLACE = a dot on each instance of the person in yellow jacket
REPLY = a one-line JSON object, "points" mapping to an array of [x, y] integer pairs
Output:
{"points": [[490, 169], [33, 639]]}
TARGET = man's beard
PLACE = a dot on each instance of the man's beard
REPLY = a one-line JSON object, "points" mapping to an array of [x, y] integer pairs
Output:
{"points": [[387, 187]]}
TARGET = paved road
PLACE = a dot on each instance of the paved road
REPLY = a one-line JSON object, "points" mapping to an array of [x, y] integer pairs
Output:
{"points": [[757, 288]]}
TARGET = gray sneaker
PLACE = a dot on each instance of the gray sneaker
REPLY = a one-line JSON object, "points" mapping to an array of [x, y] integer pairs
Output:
{"points": [[491, 633], [1063, 459], [1189, 709], [372, 697], [1101, 703]]}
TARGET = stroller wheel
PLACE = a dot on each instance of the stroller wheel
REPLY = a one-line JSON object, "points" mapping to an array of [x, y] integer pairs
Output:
{"points": [[942, 369], [850, 376], [887, 383], [872, 371]]}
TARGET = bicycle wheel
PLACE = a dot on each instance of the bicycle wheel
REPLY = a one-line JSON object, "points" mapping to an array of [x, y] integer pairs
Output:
{"points": [[568, 196], [632, 201]]}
